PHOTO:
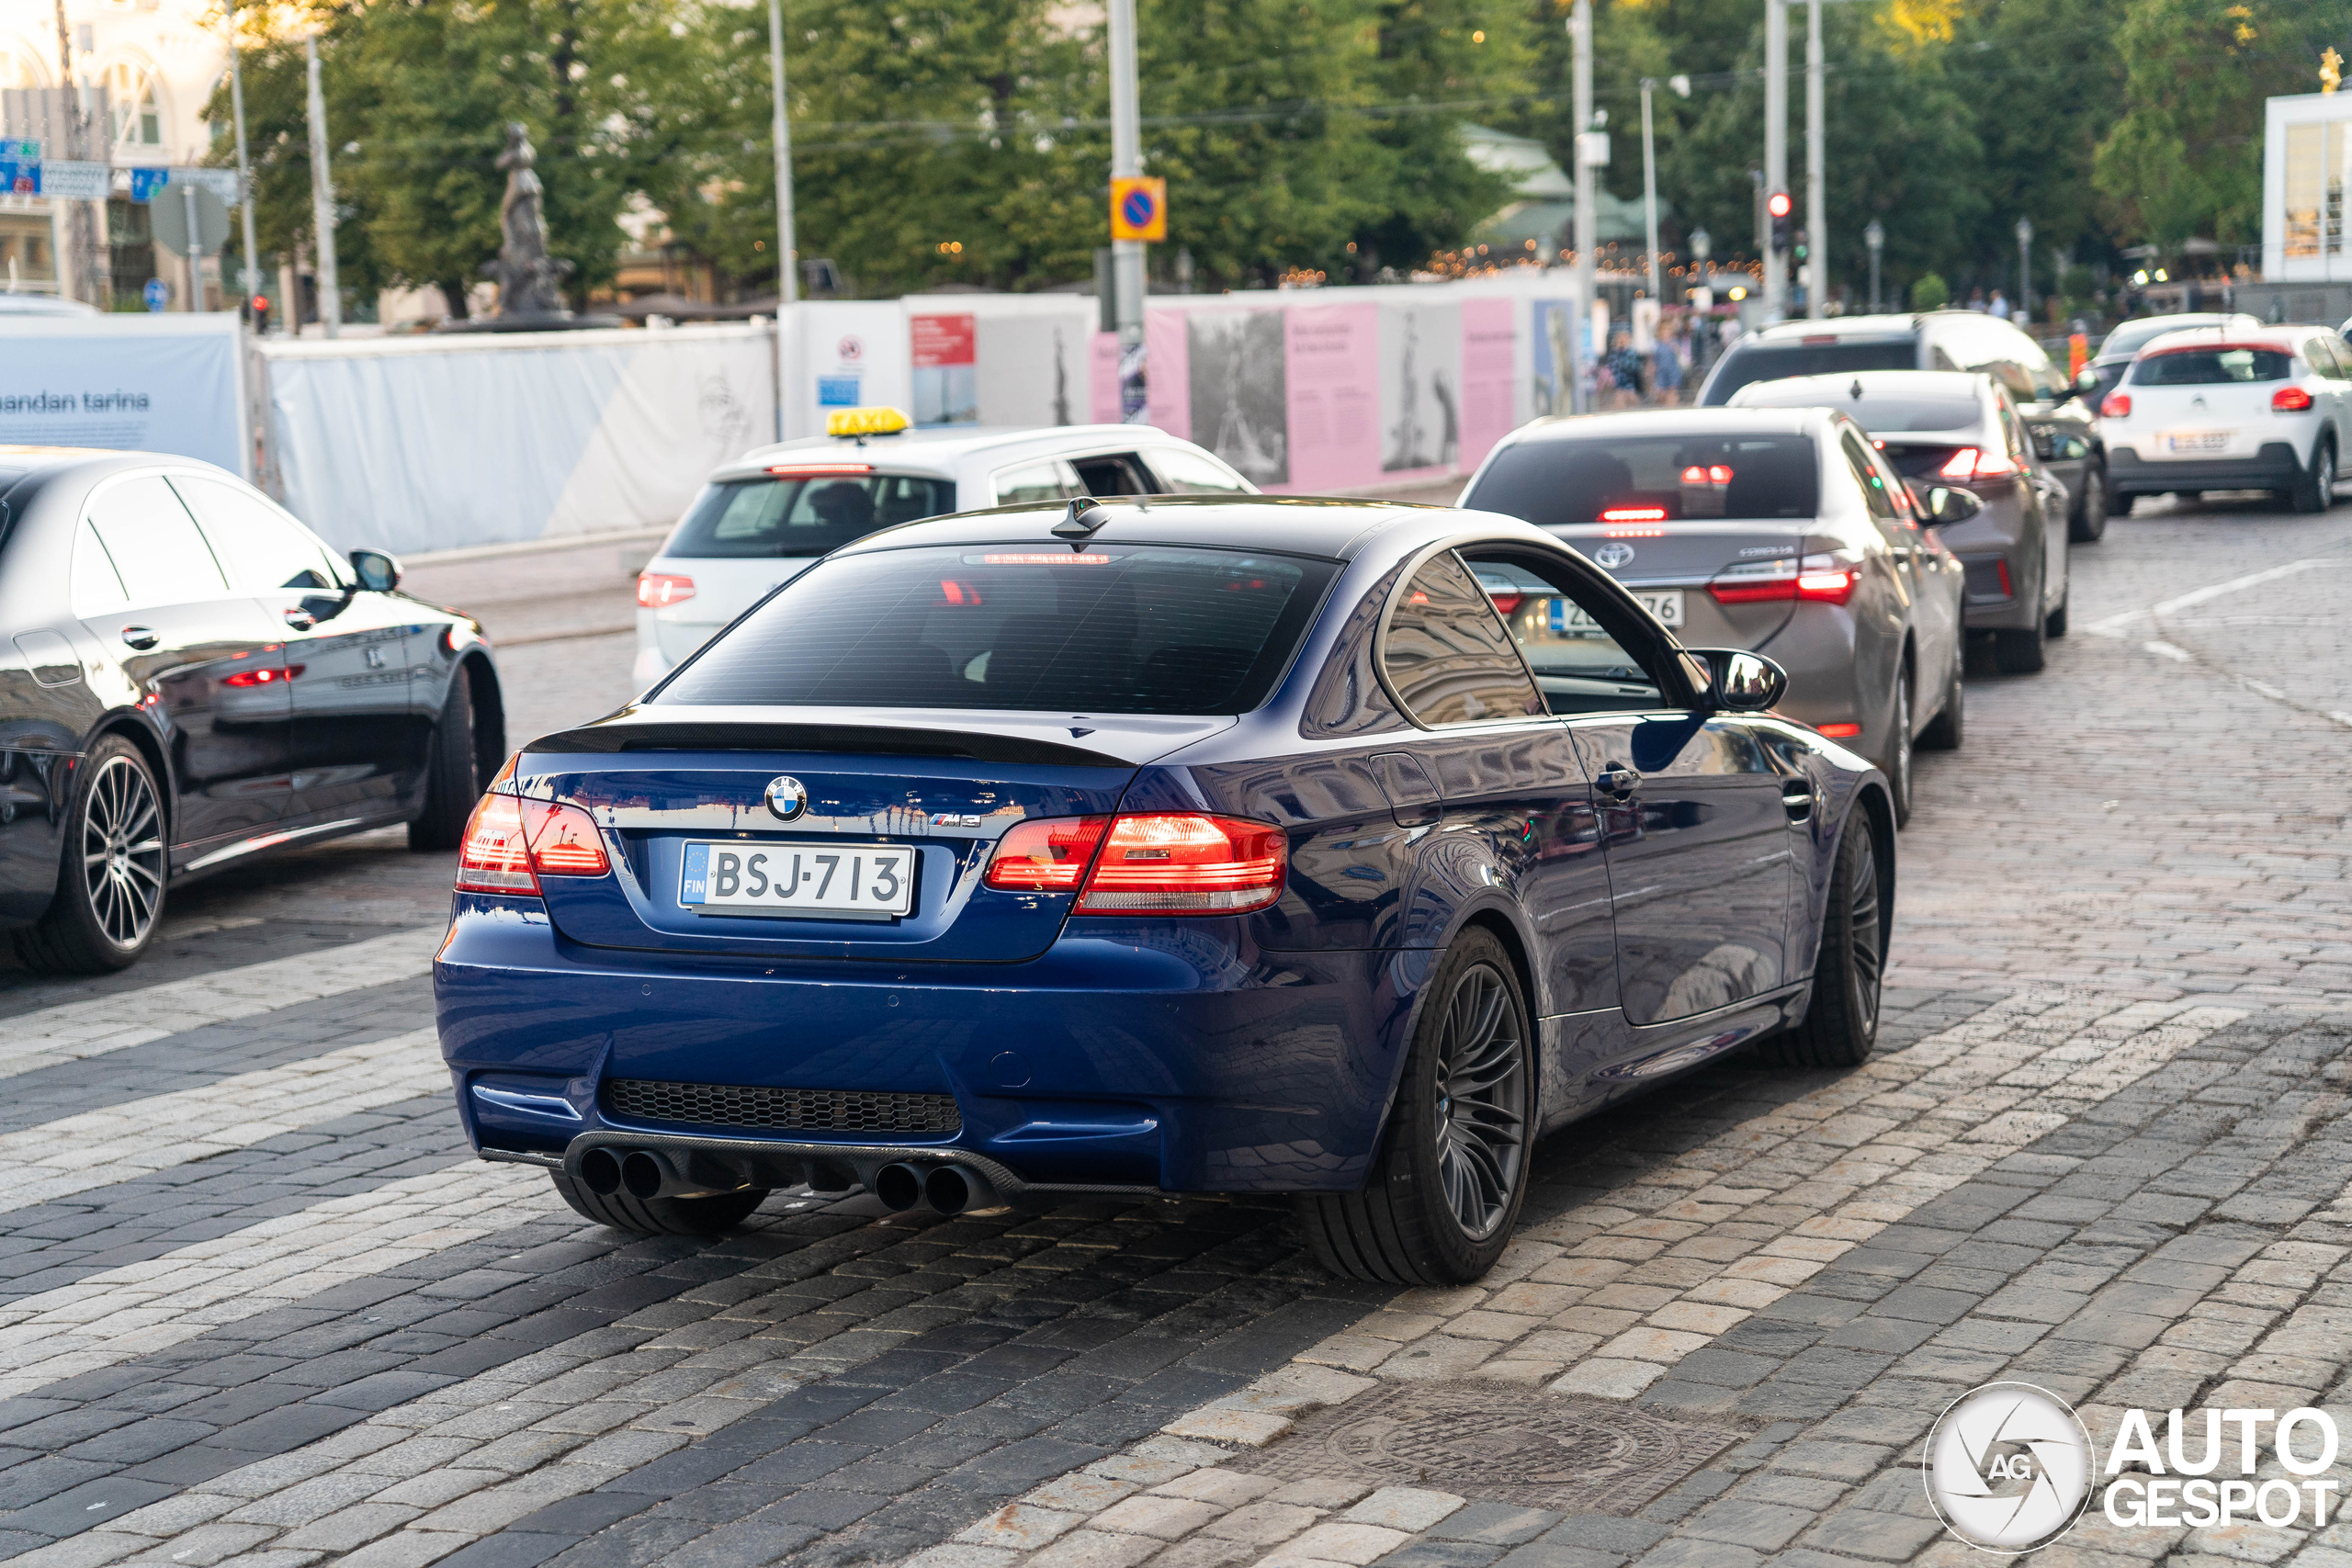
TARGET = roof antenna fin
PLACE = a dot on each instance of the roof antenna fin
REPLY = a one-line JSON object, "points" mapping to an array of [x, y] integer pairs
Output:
{"points": [[1085, 516]]}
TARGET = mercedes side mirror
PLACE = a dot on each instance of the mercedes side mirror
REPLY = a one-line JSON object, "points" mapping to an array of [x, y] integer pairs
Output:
{"points": [[1941, 506], [2086, 381], [1741, 681], [377, 572]]}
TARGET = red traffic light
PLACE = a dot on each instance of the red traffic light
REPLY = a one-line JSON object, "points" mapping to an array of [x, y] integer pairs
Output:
{"points": [[1778, 204], [261, 301]]}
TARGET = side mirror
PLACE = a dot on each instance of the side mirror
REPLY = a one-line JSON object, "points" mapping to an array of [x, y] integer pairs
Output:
{"points": [[377, 572], [1741, 681], [2086, 381], [1941, 505]]}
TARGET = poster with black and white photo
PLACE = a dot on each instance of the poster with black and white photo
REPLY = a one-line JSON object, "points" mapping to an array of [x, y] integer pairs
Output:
{"points": [[1421, 386], [1240, 391]]}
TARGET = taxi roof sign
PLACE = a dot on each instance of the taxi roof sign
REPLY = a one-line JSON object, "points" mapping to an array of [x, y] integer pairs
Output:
{"points": [[866, 422]]}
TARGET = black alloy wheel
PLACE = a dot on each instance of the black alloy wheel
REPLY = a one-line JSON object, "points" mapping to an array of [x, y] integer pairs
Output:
{"points": [[2315, 492], [452, 773], [1841, 1024], [1949, 727], [1897, 763], [1452, 1171], [112, 872], [2089, 524]]}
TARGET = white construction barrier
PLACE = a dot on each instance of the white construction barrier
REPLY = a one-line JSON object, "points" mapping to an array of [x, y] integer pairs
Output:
{"points": [[151, 383]]}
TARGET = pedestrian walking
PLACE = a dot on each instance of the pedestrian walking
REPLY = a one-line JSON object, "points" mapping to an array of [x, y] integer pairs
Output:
{"points": [[1624, 367], [1666, 365]]}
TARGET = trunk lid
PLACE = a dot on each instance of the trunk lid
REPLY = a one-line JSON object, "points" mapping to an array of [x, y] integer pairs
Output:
{"points": [[942, 786], [1684, 557]]}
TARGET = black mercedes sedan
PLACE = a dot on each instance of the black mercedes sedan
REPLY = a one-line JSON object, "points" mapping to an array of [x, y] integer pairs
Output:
{"points": [[190, 677]]}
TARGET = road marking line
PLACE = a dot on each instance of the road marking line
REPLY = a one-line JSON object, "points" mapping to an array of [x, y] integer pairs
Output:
{"points": [[122, 1143], [2112, 625], [147, 1307], [71, 1032], [2169, 650]]}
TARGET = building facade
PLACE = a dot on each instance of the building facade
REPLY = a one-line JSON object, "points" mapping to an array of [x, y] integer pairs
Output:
{"points": [[2306, 170]]}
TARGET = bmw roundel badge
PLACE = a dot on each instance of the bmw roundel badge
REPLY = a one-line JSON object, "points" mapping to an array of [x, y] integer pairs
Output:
{"points": [[787, 798], [1614, 556]]}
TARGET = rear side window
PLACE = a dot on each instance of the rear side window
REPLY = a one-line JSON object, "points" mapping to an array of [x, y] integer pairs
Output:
{"points": [[2212, 366], [1109, 629], [96, 587], [1191, 473], [1654, 479], [153, 544], [1764, 362], [1875, 489], [804, 516], [1448, 654], [1049, 480], [262, 550]]}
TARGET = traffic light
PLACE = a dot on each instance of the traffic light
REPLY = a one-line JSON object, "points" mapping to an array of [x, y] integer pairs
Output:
{"points": [[1803, 250], [1782, 211], [261, 315]]}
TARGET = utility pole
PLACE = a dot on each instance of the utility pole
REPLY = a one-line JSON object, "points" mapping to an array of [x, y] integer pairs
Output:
{"points": [[1126, 162], [244, 170], [1776, 144], [2025, 267], [787, 270], [1649, 189], [1817, 201], [1874, 236], [321, 203], [1587, 221], [86, 224]]}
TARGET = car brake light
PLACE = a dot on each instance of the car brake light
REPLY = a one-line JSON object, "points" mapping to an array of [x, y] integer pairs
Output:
{"points": [[2116, 405], [1821, 578], [1633, 514], [1972, 463], [493, 857], [2289, 400], [1841, 731], [1508, 604], [564, 841], [1046, 854], [1962, 465], [1185, 863], [1827, 587], [2002, 566], [655, 589], [1146, 863]]}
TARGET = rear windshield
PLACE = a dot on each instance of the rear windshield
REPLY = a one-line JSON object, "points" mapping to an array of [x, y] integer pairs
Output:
{"points": [[1886, 411], [1763, 363], [803, 516], [2212, 366], [1108, 629], [1654, 479]]}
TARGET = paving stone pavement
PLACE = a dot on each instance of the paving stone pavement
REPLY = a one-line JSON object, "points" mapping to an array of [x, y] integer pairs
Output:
{"points": [[259, 1304]]}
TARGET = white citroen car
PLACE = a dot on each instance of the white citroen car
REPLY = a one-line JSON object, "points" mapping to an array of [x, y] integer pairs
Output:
{"points": [[764, 518], [2231, 408]]}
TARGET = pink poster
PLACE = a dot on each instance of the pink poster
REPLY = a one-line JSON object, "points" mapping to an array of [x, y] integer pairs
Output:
{"points": [[1103, 379], [1334, 357], [1488, 376], [1167, 371]]}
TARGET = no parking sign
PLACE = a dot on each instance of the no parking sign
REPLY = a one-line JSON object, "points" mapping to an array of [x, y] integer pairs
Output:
{"points": [[1139, 209]]}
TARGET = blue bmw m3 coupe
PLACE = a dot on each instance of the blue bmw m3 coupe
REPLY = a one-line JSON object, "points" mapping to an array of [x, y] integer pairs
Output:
{"points": [[1337, 849]]}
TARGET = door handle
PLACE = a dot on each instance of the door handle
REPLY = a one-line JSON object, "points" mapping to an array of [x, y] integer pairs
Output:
{"points": [[140, 638], [1618, 782], [1797, 795], [300, 619]]}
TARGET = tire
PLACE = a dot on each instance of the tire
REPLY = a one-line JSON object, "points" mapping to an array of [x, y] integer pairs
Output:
{"points": [[2020, 652], [1446, 1184], [2055, 623], [1949, 727], [2315, 491], [1840, 1024], [452, 773], [104, 914], [660, 1216], [2118, 505], [1896, 764], [2090, 523]]}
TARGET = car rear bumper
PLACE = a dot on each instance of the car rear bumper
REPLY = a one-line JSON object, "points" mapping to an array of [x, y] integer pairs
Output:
{"points": [[2274, 467], [1165, 1054]]}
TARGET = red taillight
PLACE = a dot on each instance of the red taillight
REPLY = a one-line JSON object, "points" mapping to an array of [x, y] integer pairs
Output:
{"points": [[511, 844], [1045, 855], [1821, 578], [1145, 863], [1827, 587], [263, 676], [1508, 604], [2289, 400], [1962, 466], [494, 857], [2002, 566], [1971, 463], [2116, 405], [1841, 731], [656, 589], [1633, 514]]}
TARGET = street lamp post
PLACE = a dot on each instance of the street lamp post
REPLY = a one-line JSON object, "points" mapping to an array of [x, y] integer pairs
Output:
{"points": [[1587, 221], [1817, 199], [244, 171], [1874, 236], [1681, 85], [1776, 146], [786, 272], [2025, 266]]}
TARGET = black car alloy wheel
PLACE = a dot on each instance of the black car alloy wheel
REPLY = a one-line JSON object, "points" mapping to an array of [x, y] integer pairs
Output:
{"points": [[1481, 1121], [1840, 1024], [122, 852]]}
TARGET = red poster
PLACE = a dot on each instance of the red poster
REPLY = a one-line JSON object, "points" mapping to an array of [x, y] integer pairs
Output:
{"points": [[1168, 372], [941, 341]]}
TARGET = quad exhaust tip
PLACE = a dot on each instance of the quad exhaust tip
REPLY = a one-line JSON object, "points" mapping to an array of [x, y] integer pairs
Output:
{"points": [[948, 1189]]}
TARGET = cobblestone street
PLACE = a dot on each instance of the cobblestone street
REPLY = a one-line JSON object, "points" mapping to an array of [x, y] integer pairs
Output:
{"points": [[259, 1304]]}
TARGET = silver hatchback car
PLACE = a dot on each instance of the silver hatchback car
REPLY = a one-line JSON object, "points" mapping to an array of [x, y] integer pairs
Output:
{"points": [[1782, 531]]}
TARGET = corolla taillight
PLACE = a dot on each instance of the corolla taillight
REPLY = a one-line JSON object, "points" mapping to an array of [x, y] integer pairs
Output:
{"points": [[509, 843], [1974, 463], [2115, 405], [1161, 863], [2289, 400], [1046, 854], [1834, 586], [1821, 578], [656, 590]]}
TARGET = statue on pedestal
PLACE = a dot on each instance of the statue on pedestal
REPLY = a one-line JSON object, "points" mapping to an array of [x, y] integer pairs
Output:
{"points": [[530, 293]]}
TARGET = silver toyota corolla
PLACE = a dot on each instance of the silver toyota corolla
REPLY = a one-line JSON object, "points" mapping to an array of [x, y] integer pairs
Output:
{"points": [[1782, 531]]}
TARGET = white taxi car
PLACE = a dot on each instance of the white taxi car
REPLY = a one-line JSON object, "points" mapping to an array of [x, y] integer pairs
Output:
{"points": [[765, 517], [2231, 408]]}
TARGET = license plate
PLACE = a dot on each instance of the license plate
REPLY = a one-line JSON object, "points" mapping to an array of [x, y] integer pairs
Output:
{"points": [[2190, 441], [1666, 604], [834, 882]]}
